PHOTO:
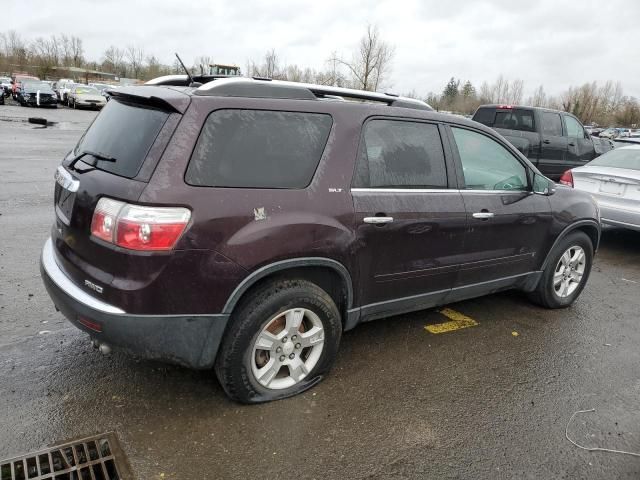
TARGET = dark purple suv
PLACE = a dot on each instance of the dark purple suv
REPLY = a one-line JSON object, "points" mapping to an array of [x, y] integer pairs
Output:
{"points": [[244, 224]]}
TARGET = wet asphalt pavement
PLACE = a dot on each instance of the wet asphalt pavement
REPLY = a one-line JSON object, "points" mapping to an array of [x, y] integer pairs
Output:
{"points": [[491, 401]]}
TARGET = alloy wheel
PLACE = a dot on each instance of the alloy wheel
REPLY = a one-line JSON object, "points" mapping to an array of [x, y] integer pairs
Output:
{"points": [[287, 348], [569, 271]]}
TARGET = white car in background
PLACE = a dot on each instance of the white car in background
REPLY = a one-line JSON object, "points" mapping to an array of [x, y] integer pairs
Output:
{"points": [[614, 181], [63, 87]]}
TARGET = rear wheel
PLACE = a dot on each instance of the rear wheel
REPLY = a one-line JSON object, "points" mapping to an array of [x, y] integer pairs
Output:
{"points": [[281, 341], [566, 273]]}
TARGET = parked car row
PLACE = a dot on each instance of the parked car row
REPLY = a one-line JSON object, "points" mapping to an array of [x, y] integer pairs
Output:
{"points": [[615, 133], [29, 90]]}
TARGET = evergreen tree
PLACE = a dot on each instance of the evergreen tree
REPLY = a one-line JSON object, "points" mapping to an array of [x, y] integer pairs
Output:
{"points": [[450, 92], [468, 90]]}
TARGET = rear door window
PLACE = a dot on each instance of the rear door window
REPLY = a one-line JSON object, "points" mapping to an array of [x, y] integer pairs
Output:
{"points": [[551, 124], [124, 132], [401, 154], [259, 149]]}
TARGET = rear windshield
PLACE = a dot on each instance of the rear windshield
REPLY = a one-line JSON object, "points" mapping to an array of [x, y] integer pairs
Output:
{"points": [[619, 158], [485, 116], [515, 119], [512, 119], [124, 132], [258, 149]]}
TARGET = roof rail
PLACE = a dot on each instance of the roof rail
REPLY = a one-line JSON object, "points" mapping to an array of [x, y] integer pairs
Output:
{"points": [[265, 88]]}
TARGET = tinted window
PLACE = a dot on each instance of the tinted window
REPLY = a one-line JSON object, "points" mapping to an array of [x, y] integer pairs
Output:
{"points": [[574, 129], [399, 154], [551, 124], [485, 115], [516, 119], [486, 164], [258, 149], [124, 132]]}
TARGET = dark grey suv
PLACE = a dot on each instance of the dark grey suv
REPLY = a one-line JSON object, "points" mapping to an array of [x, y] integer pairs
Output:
{"points": [[244, 224]]}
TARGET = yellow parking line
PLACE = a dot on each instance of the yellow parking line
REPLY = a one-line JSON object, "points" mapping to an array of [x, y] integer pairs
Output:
{"points": [[458, 321]]}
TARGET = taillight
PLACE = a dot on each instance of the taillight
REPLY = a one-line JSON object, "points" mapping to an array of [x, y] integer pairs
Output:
{"points": [[567, 178], [136, 227]]}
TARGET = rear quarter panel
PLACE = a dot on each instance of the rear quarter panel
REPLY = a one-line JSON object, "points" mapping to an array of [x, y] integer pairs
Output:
{"points": [[256, 227]]}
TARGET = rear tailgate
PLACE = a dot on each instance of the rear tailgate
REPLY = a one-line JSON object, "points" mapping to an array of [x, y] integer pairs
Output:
{"points": [[135, 135]]}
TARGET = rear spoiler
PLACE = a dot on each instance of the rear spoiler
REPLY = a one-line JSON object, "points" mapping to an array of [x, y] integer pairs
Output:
{"points": [[166, 98]]}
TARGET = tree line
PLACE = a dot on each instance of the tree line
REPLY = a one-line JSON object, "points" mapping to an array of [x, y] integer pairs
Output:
{"points": [[604, 104], [367, 67]]}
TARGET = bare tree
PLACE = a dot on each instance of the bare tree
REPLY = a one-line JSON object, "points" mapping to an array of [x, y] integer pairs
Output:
{"points": [[371, 63], [113, 61], [270, 67], [202, 64], [15, 49], [45, 53], [77, 51], [135, 57], [539, 98]]}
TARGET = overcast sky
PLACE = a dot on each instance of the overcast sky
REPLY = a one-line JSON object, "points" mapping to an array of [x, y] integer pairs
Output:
{"points": [[552, 42]]}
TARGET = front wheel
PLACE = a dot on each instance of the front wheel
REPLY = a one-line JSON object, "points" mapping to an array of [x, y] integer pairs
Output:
{"points": [[281, 341], [566, 273]]}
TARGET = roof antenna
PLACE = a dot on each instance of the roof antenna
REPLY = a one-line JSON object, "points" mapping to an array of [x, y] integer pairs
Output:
{"points": [[191, 82]]}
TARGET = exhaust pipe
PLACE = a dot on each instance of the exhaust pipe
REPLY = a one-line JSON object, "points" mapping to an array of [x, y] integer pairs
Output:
{"points": [[102, 347]]}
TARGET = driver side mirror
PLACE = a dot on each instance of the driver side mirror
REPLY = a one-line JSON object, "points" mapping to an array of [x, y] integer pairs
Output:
{"points": [[542, 185]]}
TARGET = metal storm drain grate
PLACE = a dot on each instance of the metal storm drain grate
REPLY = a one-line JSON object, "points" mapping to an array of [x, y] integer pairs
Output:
{"points": [[94, 458]]}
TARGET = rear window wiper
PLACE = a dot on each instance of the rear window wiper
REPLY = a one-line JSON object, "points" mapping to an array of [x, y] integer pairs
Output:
{"points": [[97, 155]]}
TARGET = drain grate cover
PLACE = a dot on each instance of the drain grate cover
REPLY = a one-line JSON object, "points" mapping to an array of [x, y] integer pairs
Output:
{"points": [[94, 458]]}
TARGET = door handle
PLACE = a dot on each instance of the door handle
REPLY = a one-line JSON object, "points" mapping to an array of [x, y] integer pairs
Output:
{"points": [[547, 142], [572, 144], [483, 215], [378, 220]]}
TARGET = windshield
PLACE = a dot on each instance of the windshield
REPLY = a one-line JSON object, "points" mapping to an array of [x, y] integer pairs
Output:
{"points": [[87, 91], [620, 158], [124, 132], [33, 86]]}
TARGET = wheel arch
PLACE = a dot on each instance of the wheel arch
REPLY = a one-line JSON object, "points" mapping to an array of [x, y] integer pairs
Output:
{"points": [[331, 275], [590, 227]]}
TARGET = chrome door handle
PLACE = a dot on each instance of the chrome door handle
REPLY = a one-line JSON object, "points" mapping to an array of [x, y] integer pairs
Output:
{"points": [[378, 220], [483, 215]]}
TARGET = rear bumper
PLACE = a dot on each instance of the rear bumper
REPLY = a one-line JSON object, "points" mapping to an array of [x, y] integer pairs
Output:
{"points": [[190, 340]]}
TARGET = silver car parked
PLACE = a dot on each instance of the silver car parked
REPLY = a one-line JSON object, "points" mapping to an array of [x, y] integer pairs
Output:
{"points": [[614, 181]]}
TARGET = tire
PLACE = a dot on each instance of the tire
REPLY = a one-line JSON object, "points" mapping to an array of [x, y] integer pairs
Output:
{"points": [[239, 358], [551, 294]]}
